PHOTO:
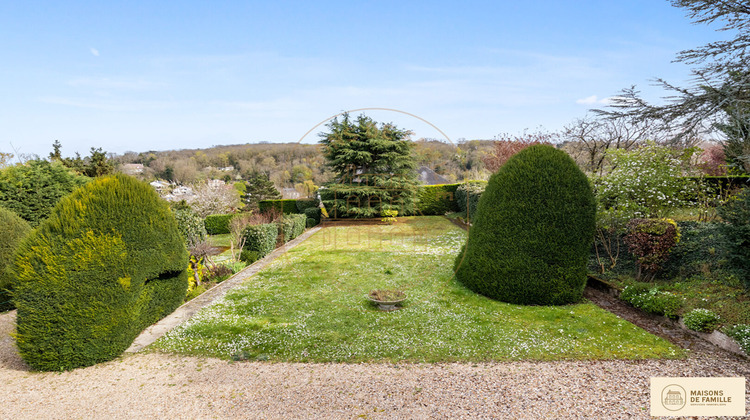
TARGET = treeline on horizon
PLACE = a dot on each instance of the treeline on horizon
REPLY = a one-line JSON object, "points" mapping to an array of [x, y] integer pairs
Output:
{"points": [[290, 164]]}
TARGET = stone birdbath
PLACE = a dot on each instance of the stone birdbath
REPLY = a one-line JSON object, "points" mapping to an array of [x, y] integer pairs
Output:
{"points": [[386, 299]]}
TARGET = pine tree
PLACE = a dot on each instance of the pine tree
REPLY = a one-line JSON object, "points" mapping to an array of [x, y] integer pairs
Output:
{"points": [[258, 187], [373, 165]]}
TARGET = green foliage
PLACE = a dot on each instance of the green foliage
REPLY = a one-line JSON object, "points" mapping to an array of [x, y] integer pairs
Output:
{"points": [[532, 233], [310, 222], [217, 224], [291, 226], [313, 213], [468, 195], [650, 241], [645, 183], [374, 168], [436, 199], [12, 230], [701, 320], [736, 214], [652, 300], [31, 190], [190, 225], [703, 251], [258, 188], [108, 262], [287, 206], [260, 238], [249, 257], [741, 334]]}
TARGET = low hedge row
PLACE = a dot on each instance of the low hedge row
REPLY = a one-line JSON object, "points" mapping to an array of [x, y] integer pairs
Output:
{"points": [[217, 224], [291, 226], [467, 197], [260, 240], [287, 206], [436, 199]]}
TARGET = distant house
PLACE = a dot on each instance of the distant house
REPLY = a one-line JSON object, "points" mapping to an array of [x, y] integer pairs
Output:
{"points": [[160, 186], [132, 168], [429, 177], [290, 193], [216, 183], [227, 169]]}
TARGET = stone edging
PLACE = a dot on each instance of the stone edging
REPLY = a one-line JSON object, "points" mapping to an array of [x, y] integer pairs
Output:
{"points": [[717, 338], [190, 308]]}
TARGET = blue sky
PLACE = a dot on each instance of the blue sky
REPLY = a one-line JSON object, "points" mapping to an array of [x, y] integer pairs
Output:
{"points": [[138, 76]]}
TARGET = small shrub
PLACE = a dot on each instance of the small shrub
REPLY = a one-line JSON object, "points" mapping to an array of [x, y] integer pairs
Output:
{"points": [[703, 251], [249, 257], [107, 263], [701, 320], [310, 222], [741, 334], [436, 199], [218, 273], [190, 225], [736, 214], [313, 213], [532, 233], [261, 238], [650, 241], [389, 216], [12, 230], [468, 195], [218, 224]]}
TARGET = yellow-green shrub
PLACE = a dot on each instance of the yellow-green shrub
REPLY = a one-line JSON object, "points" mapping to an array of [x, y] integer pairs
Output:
{"points": [[108, 262]]}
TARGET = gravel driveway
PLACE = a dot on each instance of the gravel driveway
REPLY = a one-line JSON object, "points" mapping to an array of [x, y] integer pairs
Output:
{"points": [[152, 385]]}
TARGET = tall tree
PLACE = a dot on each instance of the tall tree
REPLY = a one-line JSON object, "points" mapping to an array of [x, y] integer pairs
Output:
{"points": [[258, 187], [373, 166], [718, 98]]}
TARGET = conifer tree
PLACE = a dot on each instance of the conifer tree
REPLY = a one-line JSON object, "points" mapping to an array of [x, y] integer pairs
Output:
{"points": [[258, 187], [373, 165]]}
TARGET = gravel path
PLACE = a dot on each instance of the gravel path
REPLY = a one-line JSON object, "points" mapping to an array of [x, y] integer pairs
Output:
{"points": [[153, 385]]}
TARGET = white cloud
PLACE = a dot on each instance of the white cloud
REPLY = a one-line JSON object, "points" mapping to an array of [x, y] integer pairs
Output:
{"points": [[593, 100], [94, 51]]}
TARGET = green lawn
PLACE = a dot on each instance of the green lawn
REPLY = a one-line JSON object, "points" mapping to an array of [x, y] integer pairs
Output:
{"points": [[309, 306]]}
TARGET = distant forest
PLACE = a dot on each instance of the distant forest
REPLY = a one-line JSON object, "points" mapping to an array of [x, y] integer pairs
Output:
{"points": [[290, 165]]}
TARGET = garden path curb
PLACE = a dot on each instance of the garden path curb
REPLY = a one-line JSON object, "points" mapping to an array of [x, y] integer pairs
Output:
{"points": [[188, 309]]}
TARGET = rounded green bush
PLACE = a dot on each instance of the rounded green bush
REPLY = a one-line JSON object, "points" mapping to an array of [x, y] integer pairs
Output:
{"points": [[532, 233], [12, 230], [108, 262], [190, 225]]}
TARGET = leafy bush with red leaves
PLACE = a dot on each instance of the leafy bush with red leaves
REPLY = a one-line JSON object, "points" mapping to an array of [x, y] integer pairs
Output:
{"points": [[507, 146], [650, 241]]}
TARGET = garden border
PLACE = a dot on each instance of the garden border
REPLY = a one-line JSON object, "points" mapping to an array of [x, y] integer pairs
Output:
{"points": [[717, 338], [190, 308]]}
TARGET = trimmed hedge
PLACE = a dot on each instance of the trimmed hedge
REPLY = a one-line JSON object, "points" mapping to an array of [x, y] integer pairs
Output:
{"points": [[291, 226], [287, 205], [532, 233], [261, 238], [436, 199], [468, 195], [736, 214], [313, 213], [107, 263], [12, 230], [217, 224]]}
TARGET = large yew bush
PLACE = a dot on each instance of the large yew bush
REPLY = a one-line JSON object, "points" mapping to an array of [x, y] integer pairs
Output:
{"points": [[12, 230], [532, 232], [108, 262]]}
